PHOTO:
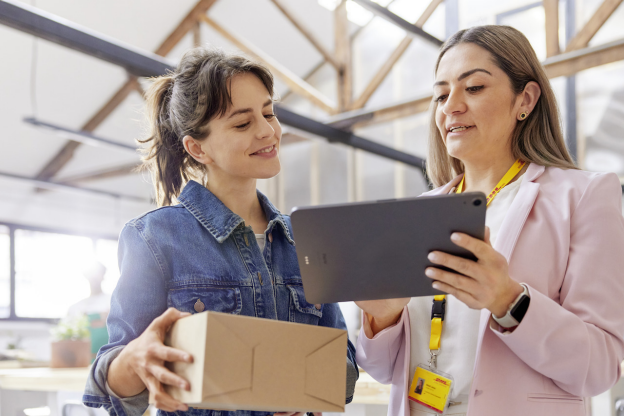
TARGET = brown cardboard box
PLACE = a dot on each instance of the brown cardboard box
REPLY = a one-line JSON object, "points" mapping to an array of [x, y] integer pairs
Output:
{"points": [[246, 363]]}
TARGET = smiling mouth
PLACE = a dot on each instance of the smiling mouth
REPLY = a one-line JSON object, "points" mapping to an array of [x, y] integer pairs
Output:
{"points": [[459, 129], [265, 150]]}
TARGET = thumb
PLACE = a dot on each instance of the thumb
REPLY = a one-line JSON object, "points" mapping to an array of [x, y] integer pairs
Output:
{"points": [[164, 321]]}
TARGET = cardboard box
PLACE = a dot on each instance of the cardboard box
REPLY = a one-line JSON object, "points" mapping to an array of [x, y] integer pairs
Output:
{"points": [[246, 363]]}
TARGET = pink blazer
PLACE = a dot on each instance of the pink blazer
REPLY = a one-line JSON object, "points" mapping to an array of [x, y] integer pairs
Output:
{"points": [[564, 237]]}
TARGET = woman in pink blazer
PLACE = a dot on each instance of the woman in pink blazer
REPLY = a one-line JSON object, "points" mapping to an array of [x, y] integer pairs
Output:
{"points": [[562, 238]]}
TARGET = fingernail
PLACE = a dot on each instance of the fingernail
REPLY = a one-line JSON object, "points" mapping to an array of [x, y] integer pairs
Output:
{"points": [[182, 385], [429, 272], [432, 256], [436, 286], [455, 237]]}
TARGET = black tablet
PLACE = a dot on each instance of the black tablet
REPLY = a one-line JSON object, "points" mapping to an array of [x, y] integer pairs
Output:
{"points": [[378, 250]]}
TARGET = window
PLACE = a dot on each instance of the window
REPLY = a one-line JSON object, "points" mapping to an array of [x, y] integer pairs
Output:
{"points": [[49, 271], [5, 272]]}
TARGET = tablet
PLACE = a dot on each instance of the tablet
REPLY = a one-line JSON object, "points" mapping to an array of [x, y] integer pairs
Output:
{"points": [[378, 250]]}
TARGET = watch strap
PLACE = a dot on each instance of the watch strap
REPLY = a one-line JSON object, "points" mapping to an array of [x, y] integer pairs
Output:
{"points": [[508, 320]]}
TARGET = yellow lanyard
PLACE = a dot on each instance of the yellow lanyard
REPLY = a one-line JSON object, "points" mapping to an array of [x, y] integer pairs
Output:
{"points": [[439, 301], [511, 173], [437, 316]]}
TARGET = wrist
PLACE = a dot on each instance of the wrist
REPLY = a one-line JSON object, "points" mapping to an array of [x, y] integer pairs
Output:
{"points": [[122, 379], [502, 306], [379, 323]]}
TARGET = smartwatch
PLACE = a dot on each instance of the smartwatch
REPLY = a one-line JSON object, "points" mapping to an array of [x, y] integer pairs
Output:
{"points": [[516, 310]]}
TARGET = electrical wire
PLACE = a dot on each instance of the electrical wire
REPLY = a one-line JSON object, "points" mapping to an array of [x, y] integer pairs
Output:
{"points": [[33, 72]]}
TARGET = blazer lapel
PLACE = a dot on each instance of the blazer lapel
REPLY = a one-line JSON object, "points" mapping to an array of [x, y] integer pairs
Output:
{"points": [[518, 212]]}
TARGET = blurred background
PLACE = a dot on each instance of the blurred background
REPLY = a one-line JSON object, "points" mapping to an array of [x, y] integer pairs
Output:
{"points": [[70, 120]]}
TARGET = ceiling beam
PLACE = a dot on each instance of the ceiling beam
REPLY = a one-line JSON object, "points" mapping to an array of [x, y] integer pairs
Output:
{"points": [[387, 66], [551, 12], [362, 118], [564, 64], [593, 25], [295, 83], [83, 137], [108, 173], [570, 63], [334, 135], [56, 186], [343, 55], [67, 151], [328, 56], [47, 26], [398, 21]]}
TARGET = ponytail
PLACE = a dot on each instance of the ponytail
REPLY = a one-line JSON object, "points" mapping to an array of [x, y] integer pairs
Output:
{"points": [[182, 103]]}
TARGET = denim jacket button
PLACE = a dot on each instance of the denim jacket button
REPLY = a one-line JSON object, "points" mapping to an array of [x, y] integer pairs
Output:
{"points": [[199, 306], [318, 306], [270, 238]]}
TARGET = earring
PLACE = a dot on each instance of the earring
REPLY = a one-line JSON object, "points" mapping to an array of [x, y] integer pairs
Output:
{"points": [[523, 116]]}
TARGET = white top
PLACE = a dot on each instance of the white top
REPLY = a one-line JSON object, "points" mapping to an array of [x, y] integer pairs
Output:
{"points": [[461, 325], [261, 239]]}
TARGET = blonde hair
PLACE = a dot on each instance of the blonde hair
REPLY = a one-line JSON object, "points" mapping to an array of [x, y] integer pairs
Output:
{"points": [[538, 138]]}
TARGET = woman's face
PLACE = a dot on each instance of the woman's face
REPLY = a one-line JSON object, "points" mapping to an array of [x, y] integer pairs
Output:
{"points": [[476, 107], [244, 142]]}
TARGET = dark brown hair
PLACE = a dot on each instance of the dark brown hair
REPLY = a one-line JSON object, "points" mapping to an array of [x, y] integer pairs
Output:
{"points": [[182, 103], [536, 139]]}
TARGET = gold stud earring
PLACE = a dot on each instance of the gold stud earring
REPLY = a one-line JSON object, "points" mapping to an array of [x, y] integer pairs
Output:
{"points": [[523, 116]]}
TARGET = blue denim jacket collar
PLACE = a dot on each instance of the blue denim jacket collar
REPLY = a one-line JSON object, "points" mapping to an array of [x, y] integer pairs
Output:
{"points": [[218, 219]]}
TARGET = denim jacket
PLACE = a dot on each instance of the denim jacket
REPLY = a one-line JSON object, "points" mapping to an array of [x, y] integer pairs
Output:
{"points": [[200, 250]]}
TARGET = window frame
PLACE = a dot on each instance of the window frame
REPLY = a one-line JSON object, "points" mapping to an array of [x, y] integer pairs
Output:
{"points": [[12, 283]]}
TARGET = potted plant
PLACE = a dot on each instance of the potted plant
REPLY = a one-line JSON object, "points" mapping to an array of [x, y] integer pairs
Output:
{"points": [[71, 343]]}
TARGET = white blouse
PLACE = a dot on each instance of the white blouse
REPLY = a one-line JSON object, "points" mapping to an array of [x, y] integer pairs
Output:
{"points": [[461, 325]]}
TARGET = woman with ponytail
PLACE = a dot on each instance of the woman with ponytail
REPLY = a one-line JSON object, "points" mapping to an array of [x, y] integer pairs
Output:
{"points": [[215, 243]]}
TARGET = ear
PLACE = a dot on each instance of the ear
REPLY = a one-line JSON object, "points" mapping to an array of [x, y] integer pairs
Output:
{"points": [[530, 95], [194, 148]]}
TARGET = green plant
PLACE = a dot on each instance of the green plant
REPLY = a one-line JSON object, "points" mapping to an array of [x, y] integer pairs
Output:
{"points": [[74, 329]]}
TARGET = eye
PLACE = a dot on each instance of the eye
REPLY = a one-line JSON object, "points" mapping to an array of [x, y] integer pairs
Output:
{"points": [[269, 116], [242, 126], [441, 98], [474, 89]]}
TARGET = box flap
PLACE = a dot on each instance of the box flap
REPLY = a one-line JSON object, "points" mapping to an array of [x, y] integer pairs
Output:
{"points": [[228, 358], [318, 366]]}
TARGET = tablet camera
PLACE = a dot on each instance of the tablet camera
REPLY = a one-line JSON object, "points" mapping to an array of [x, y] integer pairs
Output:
{"points": [[476, 202]]}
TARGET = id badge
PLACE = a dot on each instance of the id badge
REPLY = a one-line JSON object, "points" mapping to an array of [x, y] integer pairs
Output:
{"points": [[431, 388]]}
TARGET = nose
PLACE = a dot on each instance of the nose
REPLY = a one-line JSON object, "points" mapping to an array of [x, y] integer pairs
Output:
{"points": [[265, 130], [454, 104]]}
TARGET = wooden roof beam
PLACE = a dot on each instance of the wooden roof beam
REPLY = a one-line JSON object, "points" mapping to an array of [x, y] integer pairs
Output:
{"points": [[385, 69], [343, 55], [295, 83], [593, 25], [328, 56], [551, 12]]}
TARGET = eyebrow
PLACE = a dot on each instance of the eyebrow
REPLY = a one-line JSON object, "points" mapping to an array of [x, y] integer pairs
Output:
{"points": [[464, 75], [249, 110]]}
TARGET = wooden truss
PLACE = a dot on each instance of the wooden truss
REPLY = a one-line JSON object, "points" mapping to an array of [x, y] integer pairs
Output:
{"points": [[348, 111]]}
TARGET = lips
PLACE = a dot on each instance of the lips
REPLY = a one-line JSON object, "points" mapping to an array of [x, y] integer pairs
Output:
{"points": [[267, 149]]}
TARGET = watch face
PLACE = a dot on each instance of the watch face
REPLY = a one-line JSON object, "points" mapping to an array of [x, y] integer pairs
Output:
{"points": [[520, 308]]}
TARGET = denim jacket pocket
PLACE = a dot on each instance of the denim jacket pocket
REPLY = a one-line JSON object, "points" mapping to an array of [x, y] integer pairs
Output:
{"points": [[300, 310], [194, 299]]}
